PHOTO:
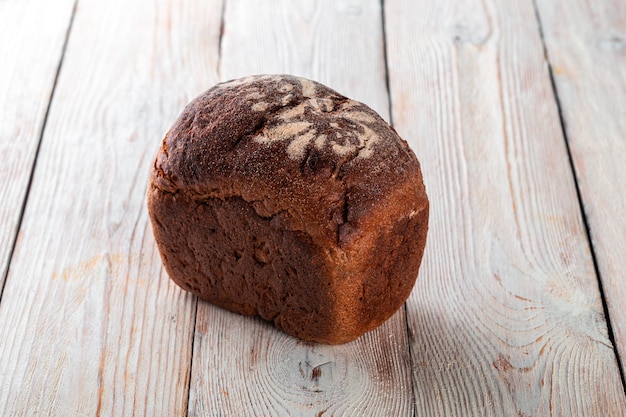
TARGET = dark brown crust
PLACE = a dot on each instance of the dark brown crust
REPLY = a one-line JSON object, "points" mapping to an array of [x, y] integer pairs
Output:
{"points": [[277, 196]]}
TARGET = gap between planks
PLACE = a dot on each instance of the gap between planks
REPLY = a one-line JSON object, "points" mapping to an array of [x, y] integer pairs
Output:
{"points": [[497, 45], [141, 345], [219, 42], [583, 214], [409, 333], [384, 30], [195, 308], [37, 148]]}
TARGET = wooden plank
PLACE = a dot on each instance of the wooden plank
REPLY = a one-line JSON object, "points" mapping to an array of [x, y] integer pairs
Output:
{"points": [[243, 366], [30, 32], [507, 318], [338, 43], [586, 44], [89, 323]]}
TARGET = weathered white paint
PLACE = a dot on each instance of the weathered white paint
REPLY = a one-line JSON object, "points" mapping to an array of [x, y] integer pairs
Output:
{"points": [[32, 33], [586, 44], [89, 323], [338, 43], [506, 319]]}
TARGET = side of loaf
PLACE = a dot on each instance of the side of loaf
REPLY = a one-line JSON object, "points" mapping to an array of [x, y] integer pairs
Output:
{"points": [[275, 195]]}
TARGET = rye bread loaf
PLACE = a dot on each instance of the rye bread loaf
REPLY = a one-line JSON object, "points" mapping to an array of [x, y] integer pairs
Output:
{"points": [[275, 195]]}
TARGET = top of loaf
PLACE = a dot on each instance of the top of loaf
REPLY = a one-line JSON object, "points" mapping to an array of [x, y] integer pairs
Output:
{"points": [[298, 151]]}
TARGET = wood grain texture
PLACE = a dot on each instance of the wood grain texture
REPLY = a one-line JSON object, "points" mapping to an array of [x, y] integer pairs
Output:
{"points": [[32, 34], [586, 44], [338, 43], [506, 318], [89, 323], [244, 366]]}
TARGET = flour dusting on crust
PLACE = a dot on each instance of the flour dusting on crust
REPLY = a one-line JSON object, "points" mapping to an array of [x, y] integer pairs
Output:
{"points": [[304, 116]]}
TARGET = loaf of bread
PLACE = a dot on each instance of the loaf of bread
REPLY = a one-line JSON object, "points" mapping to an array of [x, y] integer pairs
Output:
{"points": [[276, 196]]}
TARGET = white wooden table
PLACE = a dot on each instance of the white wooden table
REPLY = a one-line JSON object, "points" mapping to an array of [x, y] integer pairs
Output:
{"points": [[516, 109]]}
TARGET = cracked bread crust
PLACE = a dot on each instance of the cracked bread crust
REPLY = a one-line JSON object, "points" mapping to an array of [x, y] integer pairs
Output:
{"points": [[275, 195]]}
